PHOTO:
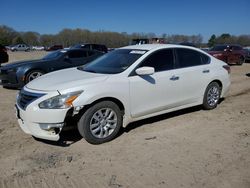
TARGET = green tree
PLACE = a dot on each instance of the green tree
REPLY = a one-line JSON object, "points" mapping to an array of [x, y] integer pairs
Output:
{"points": [[211, 41], [7, 34], [31, 38], [17, 40]]}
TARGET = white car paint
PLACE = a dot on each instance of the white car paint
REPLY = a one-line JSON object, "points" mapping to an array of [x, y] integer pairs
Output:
{"points": [[141, 96]]}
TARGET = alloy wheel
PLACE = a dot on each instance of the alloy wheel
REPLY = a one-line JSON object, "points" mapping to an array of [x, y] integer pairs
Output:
{"points": [[103, 123]]}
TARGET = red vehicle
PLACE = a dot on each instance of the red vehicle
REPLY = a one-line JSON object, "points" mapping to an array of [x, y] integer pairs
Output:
{"points": [[54, 47], [231, 54]]}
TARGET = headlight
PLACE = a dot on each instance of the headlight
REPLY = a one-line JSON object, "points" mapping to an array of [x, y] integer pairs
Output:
{"points": [[60, 101]]}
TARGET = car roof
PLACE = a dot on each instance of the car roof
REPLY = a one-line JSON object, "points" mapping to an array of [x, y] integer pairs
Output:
{"points": [[155, 46]]}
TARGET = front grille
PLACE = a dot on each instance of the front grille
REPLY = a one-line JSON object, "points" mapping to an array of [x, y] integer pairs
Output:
{"points": [[2, 71], [5, 81], [25, 98]]}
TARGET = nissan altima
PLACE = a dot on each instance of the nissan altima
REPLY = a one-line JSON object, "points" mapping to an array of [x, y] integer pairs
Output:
{"points": [[16, 75], [125, 85]]}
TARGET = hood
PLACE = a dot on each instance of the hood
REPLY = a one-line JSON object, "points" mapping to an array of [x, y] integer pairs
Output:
{"points": [[64, 79], [20, 63]]}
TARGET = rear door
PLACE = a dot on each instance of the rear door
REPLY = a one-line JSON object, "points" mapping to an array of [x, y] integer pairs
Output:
{"points": [[194, 72]]}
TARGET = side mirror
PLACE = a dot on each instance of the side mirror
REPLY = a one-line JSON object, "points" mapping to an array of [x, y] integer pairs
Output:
{"points": [[145, 71]]}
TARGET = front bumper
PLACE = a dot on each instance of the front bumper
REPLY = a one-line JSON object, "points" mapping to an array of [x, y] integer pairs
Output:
{"points": [[9, 79], [41, 123], [48, 129]]}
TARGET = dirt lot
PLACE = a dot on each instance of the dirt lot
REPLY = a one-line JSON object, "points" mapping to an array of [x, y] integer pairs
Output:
{"points": [[189, 148]]}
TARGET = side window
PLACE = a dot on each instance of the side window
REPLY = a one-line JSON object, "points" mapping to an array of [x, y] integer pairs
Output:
{"points": [[92, 53], [95, 47], [189, 58], [236, 48], [88, 46], [205, 59], [77, 54], [161, 60]]}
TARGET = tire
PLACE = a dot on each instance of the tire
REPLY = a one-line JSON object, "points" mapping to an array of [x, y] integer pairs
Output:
{"points": [[241, 60], [100, 123], [33, 75], [211, 96]]}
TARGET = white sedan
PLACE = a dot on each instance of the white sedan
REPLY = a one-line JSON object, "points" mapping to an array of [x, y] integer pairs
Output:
{"points": [[125, 85]]}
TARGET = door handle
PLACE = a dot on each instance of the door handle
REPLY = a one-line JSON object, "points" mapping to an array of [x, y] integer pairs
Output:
{"points": [[174, 78], [206, 71]]}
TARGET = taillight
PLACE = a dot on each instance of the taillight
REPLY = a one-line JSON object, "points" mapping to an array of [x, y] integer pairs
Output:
{"points": [[227, 67]]}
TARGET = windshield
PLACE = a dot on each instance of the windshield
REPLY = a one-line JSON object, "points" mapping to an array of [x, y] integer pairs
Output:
{"points": [[218, 48], [53, 55], [113, 62]]}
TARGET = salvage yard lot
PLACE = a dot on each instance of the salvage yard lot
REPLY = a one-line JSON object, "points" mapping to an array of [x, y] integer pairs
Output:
{"points": [[188, 148]]}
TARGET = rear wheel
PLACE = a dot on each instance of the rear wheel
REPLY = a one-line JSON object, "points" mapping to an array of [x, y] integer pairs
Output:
{"points": [[211, 96], [100, 123], [33, 75], [241, 60]]}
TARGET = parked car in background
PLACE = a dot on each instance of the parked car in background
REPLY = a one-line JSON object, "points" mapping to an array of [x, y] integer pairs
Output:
{"points": [[16, 75], [205, 49], [139, 41], [98, 47], [231, 54], [4, 57], [38, 48], [247, 51], [187, 44], [20, 47], [54, 47], [9, 47], [122, 86]]}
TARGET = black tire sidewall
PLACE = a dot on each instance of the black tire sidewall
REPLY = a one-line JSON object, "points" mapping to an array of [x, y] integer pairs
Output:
{"points": [[205, 104], [84, 122], [241, 60]]}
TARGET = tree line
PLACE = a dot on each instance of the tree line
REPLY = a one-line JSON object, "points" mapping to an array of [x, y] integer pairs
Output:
{"points": [[226, 38], [69, 37]]}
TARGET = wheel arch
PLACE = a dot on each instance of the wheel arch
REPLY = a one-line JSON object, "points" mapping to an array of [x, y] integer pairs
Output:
{"points": [[112, 99], [27, 72], [218, 82]]}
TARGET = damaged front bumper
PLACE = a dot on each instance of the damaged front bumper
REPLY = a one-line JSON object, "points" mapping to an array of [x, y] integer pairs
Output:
{"points": [[48, 128]]}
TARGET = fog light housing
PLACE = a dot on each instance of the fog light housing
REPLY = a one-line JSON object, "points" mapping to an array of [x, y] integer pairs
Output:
{"points": [[51, 126]]}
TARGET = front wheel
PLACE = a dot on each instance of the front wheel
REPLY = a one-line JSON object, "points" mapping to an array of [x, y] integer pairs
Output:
{"points": [[211, 96], [33, 75], [100, 123]]}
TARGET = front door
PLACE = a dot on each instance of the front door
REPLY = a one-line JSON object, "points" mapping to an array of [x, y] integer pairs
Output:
{"points": [[153, 93]]}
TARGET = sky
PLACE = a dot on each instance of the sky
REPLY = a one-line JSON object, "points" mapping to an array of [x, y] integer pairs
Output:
{"points": [[188, 17]]}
